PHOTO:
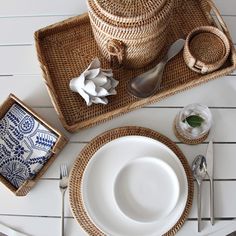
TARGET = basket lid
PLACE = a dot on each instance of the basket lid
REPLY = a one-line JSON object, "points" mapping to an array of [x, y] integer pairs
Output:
{"points": [[129, 10]]}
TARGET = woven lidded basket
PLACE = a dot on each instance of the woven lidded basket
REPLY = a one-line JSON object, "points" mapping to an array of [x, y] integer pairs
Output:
{"points": [[206, 49], [132, 33]]}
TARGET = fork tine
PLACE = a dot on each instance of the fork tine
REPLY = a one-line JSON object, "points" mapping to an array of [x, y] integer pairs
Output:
{"points": [[60, 171], [66, 171], [64, 168]]}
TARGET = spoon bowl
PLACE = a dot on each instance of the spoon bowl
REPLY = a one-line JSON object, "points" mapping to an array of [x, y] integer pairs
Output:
{"points": [[199, 168], [146, 84]]}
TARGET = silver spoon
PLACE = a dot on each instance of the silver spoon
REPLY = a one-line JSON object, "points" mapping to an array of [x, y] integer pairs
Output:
{"points": [[147, 83], [199, 169]]}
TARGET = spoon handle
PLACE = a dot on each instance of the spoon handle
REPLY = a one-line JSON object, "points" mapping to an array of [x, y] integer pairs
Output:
{"points": [[199, 207]]}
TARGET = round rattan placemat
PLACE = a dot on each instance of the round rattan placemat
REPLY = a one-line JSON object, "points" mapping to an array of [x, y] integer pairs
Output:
{"points": [[76, 174]]}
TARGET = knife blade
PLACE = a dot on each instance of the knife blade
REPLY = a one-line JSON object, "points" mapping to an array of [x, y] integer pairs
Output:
{"points": [[232, 234], [2, 234], [209, 158], [7, 231], [210, 172]]}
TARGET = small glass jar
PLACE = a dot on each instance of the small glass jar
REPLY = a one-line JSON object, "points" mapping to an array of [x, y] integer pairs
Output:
{"points": [[193, 135]]}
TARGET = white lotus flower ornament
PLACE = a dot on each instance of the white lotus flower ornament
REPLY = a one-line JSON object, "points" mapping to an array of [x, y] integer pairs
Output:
{"points": [[95, 83]]}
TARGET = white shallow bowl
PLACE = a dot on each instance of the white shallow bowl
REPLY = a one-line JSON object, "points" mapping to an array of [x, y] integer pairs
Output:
{"points": [[99, 178], [146, 189]]}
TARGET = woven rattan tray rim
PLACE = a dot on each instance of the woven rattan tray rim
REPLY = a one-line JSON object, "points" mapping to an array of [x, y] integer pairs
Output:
{"points": [[61, 142], [76, 174], [71, 22]]}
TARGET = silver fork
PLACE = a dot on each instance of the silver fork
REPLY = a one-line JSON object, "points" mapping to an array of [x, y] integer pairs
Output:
{"points": [[63, 186]]}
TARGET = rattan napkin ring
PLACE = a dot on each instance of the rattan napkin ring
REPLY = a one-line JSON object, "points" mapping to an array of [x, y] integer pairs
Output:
{"points": [[206, 49]]}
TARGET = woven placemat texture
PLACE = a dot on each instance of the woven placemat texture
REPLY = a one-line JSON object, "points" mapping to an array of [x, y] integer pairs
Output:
{"points": [[67, 48], [76, 175]]}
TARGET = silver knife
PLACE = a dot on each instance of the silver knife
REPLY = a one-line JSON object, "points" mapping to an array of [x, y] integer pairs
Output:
{"points": [[2, 234], [210, 172]]}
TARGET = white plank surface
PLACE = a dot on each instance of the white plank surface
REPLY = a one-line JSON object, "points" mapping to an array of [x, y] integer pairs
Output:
{"points": [[230, 22], [20, 60], [51, 226], [224, 158], [41, 8], [63, 7], [34, 203], [37, 96], [38, 214], [226, 7], [160, 119], [20, 30], [218, 92], [48, 226]]}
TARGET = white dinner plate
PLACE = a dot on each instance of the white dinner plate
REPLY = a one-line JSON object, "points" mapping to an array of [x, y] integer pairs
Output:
{"points": [[146, 189], [99, 180]]}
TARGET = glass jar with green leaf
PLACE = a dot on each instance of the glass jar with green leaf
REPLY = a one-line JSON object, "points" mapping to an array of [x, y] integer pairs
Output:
{"points": [[193, 123]]}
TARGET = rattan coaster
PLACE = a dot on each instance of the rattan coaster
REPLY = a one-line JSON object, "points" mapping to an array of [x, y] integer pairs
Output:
{"points": [[75, 183], [188, 141]]}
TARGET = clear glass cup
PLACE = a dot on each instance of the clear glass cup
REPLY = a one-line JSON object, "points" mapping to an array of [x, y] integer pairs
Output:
{"points": [[193, 133]]}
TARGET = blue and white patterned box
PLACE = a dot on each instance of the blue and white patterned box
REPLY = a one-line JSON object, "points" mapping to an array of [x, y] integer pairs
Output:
{"points": [[25, 145]]}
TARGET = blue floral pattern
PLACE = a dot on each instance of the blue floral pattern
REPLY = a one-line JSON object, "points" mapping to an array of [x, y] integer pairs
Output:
{"points": [[19, 151], [25, 145]]}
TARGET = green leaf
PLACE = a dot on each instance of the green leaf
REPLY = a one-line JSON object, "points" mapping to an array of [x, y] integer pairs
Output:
{"points": [[194, 121]]}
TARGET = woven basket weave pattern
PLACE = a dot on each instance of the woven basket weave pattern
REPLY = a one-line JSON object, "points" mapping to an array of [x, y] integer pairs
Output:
{"points": [[201, 42], [129, 33], [76, 174], [154, 29], [155, 21], [206, 49], [146, 48], [66, 49], [129, 10]]}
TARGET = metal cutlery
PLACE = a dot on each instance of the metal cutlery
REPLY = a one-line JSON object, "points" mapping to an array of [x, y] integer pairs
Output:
{"points": [[146, 84], [232, 234], [63, 184], [210, 173], [9, 231], [199, 170]]}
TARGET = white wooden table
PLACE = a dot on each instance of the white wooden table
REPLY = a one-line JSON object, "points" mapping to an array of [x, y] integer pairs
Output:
{"points": [[38, 214]]}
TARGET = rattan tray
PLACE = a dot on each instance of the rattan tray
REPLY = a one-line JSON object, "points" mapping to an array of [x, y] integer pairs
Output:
{"points": [[65, 49], [76, 175]]}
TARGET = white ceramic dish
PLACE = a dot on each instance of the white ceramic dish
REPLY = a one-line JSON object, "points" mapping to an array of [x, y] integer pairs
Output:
{"points": [[99, 180], [146, 189]]}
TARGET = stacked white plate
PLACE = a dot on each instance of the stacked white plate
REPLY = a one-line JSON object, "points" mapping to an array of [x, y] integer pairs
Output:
{"points": [[134, 185]]}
